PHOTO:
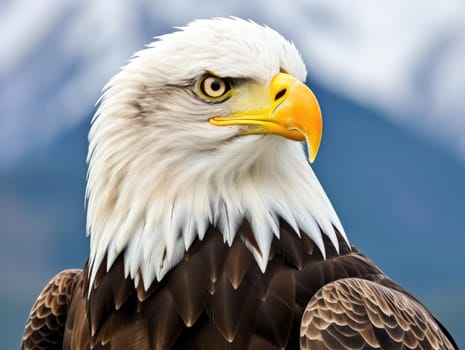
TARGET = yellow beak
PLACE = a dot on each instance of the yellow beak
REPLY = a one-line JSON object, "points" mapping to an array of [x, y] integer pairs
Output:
{"points": [[292, 111]]}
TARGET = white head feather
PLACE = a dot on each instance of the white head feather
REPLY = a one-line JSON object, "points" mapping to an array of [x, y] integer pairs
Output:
{"points": [[160, 174]]}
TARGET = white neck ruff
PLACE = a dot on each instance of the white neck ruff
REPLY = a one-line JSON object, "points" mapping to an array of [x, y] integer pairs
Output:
{"points": [[152, 213]]}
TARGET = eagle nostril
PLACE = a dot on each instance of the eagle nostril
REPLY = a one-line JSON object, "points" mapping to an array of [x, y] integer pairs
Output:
{"points": [[280, 94]]}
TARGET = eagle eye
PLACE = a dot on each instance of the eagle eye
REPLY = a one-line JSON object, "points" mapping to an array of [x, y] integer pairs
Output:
{"points": [[213, 87]]}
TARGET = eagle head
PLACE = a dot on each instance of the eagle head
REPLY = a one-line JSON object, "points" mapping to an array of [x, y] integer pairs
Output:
{"points": [[199, 129]]}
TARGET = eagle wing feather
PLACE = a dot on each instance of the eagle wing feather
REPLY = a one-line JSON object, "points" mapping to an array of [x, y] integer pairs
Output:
{"points": [[354, 313], [46, 323]]}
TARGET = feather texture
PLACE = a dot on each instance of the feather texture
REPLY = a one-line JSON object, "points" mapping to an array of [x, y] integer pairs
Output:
{"points": [[218, 298], [46, 324], [354, 313]]}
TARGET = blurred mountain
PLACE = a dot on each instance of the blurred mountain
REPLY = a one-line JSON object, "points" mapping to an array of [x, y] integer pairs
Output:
{"points": [[399, 196], [405, 57]]}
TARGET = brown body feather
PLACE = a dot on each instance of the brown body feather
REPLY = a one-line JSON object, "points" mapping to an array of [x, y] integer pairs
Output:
{"points": [[217, 298]]}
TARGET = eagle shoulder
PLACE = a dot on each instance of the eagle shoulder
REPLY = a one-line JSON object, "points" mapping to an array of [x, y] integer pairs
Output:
{"points": [[45, 327], [358, 313]]}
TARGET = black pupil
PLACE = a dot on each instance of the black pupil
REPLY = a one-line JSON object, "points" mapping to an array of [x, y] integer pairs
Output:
{"points": [[215, 85]]}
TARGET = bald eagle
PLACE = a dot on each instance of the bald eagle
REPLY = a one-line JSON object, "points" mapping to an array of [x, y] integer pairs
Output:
{"points": [[208, 228]]}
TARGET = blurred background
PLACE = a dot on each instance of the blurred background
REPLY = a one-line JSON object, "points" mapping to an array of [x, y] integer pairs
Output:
{"points": [[390, 77]]}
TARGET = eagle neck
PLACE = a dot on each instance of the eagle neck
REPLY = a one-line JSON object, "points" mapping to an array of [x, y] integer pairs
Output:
{"points": [[165, 214]]}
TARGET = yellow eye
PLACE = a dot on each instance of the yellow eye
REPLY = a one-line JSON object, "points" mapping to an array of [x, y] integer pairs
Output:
{"points": [[214, 87]]}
